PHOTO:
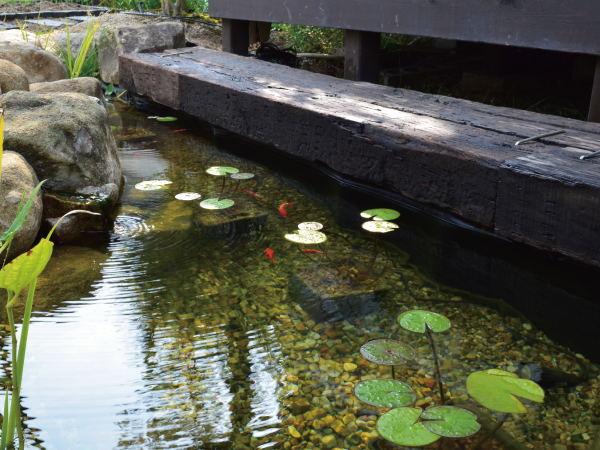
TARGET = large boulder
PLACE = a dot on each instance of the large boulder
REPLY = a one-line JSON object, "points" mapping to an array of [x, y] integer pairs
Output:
{"points": [[39, 65], [65, 136], [152, 38], [84, 85], [18, 177], [12, 77]]}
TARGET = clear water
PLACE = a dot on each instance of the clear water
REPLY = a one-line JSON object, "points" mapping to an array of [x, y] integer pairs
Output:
{"points": [[179, 333]]}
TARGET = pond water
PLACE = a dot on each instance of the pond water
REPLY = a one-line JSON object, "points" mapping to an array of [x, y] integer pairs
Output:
{"points": [[177, 331]]}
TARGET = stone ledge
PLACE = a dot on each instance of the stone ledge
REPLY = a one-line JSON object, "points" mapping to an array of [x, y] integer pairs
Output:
{"points": [[454, 154]]}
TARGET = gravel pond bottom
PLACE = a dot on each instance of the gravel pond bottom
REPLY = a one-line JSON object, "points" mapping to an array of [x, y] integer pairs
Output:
{"points": [[189, 337]]}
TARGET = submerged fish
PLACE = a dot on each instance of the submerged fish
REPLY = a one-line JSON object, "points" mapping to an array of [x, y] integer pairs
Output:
{"points": [[176, 131], [270, 254], [137, 154], [547, 378], [253, 194], [282, 209], [311, 250]]}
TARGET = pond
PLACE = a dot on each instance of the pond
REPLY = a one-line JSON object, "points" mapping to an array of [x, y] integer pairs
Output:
{"points": [[179, 331]]}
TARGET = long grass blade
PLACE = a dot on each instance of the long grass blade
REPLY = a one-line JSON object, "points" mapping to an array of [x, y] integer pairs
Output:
{"points": [[1, 143], [25, 329], [83, 51]]}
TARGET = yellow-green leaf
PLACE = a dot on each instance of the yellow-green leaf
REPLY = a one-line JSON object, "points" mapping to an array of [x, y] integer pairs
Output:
{"points": [[23, 269]]}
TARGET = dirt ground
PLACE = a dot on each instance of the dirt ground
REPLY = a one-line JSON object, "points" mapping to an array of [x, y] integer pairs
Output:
{"points": [[42, 6]]}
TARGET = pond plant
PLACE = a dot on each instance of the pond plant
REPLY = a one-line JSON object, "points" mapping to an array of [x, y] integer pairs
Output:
{"points": [[217, 203], [308, 234], [380, 223], [387, 352]]}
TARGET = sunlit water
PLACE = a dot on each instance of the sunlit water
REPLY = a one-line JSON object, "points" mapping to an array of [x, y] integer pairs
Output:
{"points": [[184, 335]]}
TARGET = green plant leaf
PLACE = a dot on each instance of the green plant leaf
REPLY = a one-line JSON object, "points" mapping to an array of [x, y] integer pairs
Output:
{"points": [[314, 226], [387, 352], [242, 176], [188, 196], [384, 393], [379, 226], [380, 214], [110, 89], [450, 421], [415, 321], [306, 237], [152, 185], [213, 203], [21, 216], [221, 170], [400, 426], [24, 268], [166, 119], [498, 390]]}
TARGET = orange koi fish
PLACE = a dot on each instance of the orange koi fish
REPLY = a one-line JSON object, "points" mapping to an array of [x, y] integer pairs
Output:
{"points": [[176, 131], [311, 250], [253, 194], [137, 154], [282, 209], [270, 254]]}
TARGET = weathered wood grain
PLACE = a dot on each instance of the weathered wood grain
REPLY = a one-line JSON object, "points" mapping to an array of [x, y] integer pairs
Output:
{"points": [[570, 26], [436, 150], [361, 62]]}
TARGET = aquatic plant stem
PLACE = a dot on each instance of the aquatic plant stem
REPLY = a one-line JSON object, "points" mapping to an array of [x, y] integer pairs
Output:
{"points": [[492, 431], [25, 329], [387, 260], [15, 410], [393, 373], [374, 257], [437, 363], [222, 189]]}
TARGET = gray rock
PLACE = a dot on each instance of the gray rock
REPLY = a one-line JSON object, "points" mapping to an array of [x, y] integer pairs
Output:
{"points": [[66, 136], [125, 40], [18, 177], [67, 231], [12, 77], [38, 65], [84, 85]]}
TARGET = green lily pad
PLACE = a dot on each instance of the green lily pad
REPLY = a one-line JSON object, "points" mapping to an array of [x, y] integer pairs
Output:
{"points": [[221, 170], [166, 119], [379, 226], [498, 390], [387, 352], [306, 237], [314, 226], [380, 214], [152, 185], [450, 421], [242, 176], [213, 203], [400, 426], [415, 321], [188, 196], [384, 393]]}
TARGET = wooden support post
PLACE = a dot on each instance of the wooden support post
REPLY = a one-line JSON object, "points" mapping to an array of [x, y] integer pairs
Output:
{"points": [[594, 115], [361, 50], [235, 36]]}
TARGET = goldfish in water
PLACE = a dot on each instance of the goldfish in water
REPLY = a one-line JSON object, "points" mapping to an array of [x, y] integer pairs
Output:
{"points": [[176, 131], [311, 250], [253, 194], [270, 254], [282, 209], [137, 154]]}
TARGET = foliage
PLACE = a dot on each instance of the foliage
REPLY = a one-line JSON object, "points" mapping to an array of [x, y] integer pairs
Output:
{"points": [[306, 39], [387, 352], [384, 393], [82, 64], [417, 321]]}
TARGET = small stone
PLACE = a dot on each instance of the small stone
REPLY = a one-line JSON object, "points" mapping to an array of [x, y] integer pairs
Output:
{"points": [[300, 406], [349, 367], [527, 326], [300, 327], [328, 443], [338, 427], [424, 401], [292, 430], [429, 382], [348, 418]]}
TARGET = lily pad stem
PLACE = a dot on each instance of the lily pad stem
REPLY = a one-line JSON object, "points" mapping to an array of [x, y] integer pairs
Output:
{"points": [[492, 431], [374, 257], [222, 189], [437, 363], [15, 409], [386, 261], [393, 373]]}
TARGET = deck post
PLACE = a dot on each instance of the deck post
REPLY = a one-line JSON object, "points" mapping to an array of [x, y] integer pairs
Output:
{"points": [[361, 49], [235, 36], [594, 114]]}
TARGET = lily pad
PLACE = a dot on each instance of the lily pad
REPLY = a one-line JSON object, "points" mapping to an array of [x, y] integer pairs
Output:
{"points": [[306, 237], [400, 426], [242, 176], [450, 421], [152, 185], [221, 170], [415, 321], [498, 390], [379, 226], [213, 203], [384, 393], [166, 119], [188, 196], [380, 214], [314, 226], [387, 352]]}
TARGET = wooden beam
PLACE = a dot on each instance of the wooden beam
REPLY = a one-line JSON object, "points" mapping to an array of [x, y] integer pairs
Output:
{"points": [[361, 51], [594, 115], [235, 36]]}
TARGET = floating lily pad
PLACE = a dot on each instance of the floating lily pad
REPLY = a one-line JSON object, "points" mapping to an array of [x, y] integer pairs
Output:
{"points": [[188, 196], [400, 426], [379, 226], [314, 226], [213, 203], [380, 214], [306, 237], [384, 393], [166, 119], [498, 390], [221, 170], [387, 352], [242, 176], [450, 421], [415, 321], [152, 185]]}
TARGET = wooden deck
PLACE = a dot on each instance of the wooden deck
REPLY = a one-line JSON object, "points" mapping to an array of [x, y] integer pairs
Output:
{"points": [[454, 154]]}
